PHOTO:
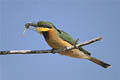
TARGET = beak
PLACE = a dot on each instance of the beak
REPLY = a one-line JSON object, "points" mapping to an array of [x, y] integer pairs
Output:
{"points": [[41, 29], [30, 24]]}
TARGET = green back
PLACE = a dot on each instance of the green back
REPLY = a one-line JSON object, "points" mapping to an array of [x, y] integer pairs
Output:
{"points": [[65, 36]]}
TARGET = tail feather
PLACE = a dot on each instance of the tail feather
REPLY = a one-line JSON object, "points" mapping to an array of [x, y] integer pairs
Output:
{"points": [[99, 62]]}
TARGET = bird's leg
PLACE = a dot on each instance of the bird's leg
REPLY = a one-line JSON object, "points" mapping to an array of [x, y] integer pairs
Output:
{"points": [[52, 50]]}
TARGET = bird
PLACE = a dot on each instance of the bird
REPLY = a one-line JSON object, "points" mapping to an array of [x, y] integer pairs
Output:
{"points": [[57, 38]]}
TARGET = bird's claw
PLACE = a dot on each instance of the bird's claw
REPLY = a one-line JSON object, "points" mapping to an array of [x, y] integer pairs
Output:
{"points": [[52, 50]]}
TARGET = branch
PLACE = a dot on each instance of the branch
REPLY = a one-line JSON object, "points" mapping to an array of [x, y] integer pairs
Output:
{"points": [[50, 51]]}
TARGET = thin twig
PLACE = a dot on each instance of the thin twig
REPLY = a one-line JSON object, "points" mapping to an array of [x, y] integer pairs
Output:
{"points": [[49, 51]]}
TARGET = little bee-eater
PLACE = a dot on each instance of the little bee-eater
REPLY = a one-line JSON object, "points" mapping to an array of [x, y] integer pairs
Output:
{"points": [[59, 39]]}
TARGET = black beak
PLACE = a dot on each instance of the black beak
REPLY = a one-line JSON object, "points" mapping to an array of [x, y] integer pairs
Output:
{"points": [[30, 24]]}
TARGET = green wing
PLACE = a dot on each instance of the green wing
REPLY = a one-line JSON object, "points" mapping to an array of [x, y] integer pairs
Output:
{"points": [[65, 36]]}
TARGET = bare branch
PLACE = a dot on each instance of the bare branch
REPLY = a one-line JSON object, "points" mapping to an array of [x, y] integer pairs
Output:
{"points": [[50, 51]]}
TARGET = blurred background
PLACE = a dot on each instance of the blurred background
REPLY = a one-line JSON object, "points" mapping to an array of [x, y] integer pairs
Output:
{"points": [[83, 19]]}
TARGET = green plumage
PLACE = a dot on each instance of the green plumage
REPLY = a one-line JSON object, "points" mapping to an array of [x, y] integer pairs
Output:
{"points": [[65, 36]]}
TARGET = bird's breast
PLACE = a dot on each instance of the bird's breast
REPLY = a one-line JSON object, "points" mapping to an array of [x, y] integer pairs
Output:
{"points": [[55, 41]]}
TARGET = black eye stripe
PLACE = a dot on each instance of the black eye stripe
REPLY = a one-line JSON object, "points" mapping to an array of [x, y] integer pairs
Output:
{"points": [[46, 26]]}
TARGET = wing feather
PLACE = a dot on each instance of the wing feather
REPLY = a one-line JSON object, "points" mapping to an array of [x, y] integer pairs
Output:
{"points": [[65, 36]]}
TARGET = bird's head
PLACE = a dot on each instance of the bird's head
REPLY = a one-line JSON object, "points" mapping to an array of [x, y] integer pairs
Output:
{"points": [[41, 27], [44, 26]]}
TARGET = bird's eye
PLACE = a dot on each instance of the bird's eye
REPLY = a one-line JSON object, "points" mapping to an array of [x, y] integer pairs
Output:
{"points": [[46, 26]]}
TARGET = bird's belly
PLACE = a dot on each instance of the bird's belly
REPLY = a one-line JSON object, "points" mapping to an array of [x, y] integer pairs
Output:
{"points": [[76, 53], [57, 43]]}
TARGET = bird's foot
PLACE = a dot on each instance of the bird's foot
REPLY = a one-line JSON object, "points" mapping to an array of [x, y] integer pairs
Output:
{"points": [[53, 50]]}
